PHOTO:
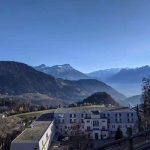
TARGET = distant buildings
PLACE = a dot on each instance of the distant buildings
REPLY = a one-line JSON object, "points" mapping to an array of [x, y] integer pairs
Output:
{"points": [[94, 122]]}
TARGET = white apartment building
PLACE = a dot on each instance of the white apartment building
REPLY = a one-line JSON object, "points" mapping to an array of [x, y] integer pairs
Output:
{"points": [[95, 122], [37, 137]]}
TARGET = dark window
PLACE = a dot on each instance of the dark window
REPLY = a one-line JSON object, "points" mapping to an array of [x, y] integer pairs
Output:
{"points": [[120, 121], [96, 123], [116, 120], [88, 128]]}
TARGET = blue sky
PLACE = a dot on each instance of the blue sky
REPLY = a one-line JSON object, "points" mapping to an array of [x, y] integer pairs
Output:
{"points": [[88, 34]]}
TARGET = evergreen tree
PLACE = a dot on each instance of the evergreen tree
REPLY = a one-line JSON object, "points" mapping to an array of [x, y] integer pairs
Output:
{"points": [[139, 118], [146, 94]]}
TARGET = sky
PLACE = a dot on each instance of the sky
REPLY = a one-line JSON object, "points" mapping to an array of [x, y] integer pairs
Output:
{"points": [[88, 34]]}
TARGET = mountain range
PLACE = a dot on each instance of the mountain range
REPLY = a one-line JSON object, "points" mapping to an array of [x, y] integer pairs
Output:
{"points": [[113, 75], [64, 71], [126, 80], [132, 75], [105, 74], [23, 80]]}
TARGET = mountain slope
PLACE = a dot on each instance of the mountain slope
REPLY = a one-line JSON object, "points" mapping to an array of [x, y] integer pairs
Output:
{"points": [[19, 79], [101, 98], [130, 75], [62, 71]]}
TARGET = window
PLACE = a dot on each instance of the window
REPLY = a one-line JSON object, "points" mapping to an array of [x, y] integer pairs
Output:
{"points": [[47, 136], [72, 120], [103, 127], [72, 115], [82, 121], [82, 115], [61, 120], [61, 115], [88, 121], [120, 121], [96, 123], [116, 120], [88, 128]]}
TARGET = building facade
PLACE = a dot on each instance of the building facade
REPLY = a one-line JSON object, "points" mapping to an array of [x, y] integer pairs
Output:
{"points": [[95, 122]]}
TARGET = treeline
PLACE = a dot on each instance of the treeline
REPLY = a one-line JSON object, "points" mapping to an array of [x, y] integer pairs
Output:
{"points": [[5, 141], [14, 105]]}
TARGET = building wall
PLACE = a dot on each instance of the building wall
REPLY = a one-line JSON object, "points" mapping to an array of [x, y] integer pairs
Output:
{"points": [[109, 120], [123, 120], [47, 138]]}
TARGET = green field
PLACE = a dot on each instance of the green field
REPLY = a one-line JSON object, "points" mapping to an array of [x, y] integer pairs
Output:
{"points": [[36, 113]]}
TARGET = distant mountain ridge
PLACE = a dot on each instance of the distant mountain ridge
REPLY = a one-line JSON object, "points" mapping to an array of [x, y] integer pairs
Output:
{"points": [[127, 80], [134, 75], [105, 74], [21, 79], [65, 71]]}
